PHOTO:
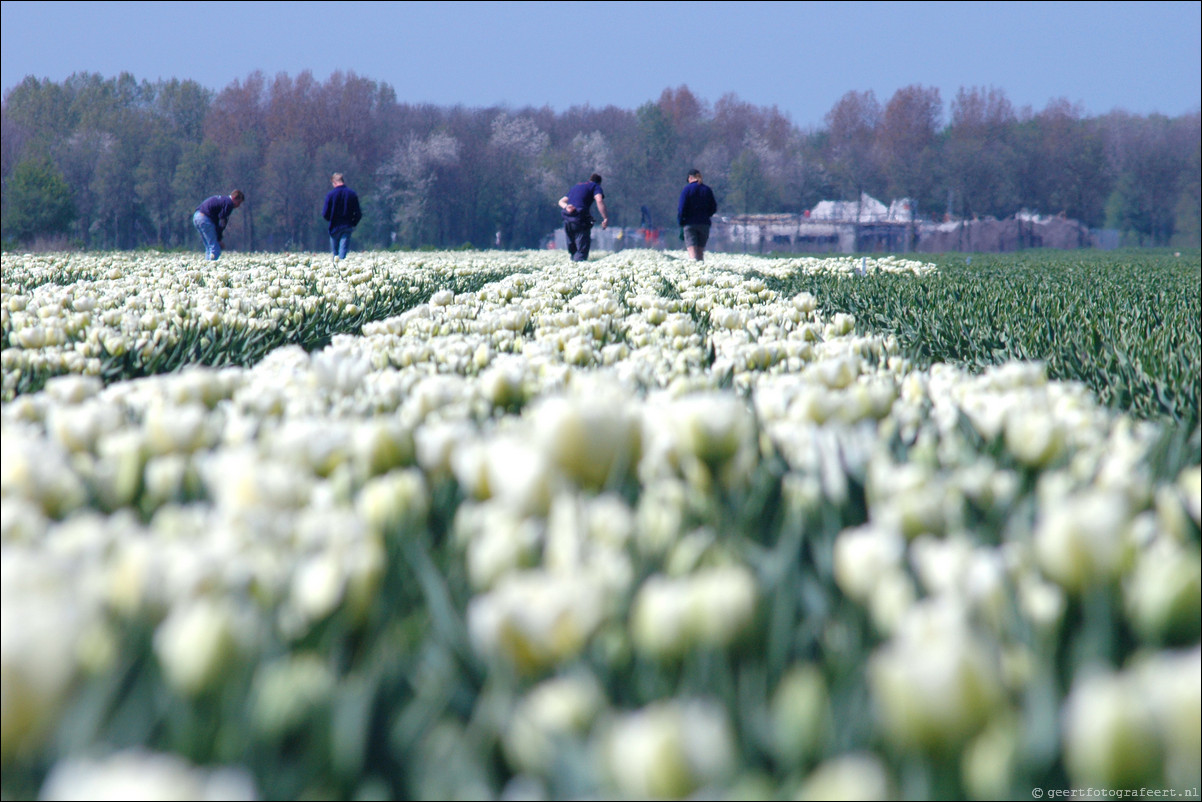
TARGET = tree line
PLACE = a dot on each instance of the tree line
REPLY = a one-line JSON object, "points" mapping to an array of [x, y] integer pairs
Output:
{"points": [[114, 163]]}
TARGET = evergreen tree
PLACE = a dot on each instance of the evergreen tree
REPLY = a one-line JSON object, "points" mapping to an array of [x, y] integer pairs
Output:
{"points": [[37, 201]]}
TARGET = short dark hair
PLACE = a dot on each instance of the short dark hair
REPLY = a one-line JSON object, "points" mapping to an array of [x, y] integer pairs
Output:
{"points": [[694, 173], [238, 195], [595, 178]]}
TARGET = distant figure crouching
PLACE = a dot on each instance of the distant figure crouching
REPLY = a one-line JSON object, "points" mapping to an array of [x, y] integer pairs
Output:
{"points": [[212, 216]]}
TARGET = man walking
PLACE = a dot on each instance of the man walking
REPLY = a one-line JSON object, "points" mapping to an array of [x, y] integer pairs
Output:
{"points": [[577, 221], [696, 207], [342, 210], [211, 217]]}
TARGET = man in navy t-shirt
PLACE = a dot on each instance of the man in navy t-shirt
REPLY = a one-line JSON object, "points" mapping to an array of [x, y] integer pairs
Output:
{"points": [[577, 221]]}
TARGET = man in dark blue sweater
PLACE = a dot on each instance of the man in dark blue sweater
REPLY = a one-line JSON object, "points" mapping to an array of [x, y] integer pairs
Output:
{"points": [[342, 210], [577, 221], [696, 207], [212, 216]]}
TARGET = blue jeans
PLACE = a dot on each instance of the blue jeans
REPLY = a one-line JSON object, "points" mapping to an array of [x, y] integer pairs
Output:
{"points": [[340, 241], [208, 233]]}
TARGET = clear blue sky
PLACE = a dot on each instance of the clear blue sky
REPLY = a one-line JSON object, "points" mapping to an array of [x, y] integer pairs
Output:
{"points": [[800, 57]]}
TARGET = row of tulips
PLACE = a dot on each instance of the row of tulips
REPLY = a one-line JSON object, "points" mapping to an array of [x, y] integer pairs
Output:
{"points": [[121, 316]]}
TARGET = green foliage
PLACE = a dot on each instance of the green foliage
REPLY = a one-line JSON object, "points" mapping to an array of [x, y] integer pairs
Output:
{"points": [[1124, 323], [37, 201]]}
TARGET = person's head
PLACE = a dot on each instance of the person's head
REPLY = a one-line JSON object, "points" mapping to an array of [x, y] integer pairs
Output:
{"points": [[237, 196], [337, 179], [595, 178], [694, 175]]}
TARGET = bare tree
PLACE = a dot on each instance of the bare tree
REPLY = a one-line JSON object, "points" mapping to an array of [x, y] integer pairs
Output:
{"points": [[851, 153], [979, 156], [908, 138], [591, 154], [287, 192], [1149, 156], [411, 181], [519, 183]]}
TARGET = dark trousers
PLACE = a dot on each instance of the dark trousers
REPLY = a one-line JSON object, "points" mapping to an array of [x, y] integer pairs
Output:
{"points": [[580, 237]]}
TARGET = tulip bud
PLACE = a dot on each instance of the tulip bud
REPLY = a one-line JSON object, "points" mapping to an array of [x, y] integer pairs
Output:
{"points": [[1110, 738], [1083, 542], [847, 777], [669, 750], [195, 644], [801, 714]]}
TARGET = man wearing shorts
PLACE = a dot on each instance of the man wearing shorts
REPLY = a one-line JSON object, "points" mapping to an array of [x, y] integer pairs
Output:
{"points": [[697, 206]]}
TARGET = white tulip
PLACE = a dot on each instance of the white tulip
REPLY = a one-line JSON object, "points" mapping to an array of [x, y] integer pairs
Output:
{"points": [[1083, 542], [801, 714], [805, 302], [592, 441], [286, 691], [935, 682], [195, 643], [535, 619], [498, 542], [1110, 736], [864, 556], [1190, 482], [393, 502], [1034, 437], [709, 609], [848, 777], [1163, 595], [1168, 680], [669, 750], [37, 665], [137, 774], [555, 710]]}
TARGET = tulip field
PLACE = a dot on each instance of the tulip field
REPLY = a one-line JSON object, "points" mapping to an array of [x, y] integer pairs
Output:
{"points": [[468, 525]]}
